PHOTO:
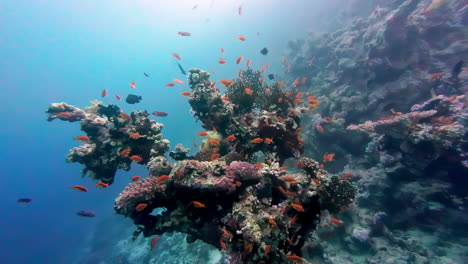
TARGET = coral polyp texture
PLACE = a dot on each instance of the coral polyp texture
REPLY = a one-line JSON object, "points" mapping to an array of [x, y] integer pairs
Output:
{"points": [[234, 193]]}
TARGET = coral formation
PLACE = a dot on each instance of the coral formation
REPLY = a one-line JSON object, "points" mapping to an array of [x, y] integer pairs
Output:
{"points": [[253, 213]]}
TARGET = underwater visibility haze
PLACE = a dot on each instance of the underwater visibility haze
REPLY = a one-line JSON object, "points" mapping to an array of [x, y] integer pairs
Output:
{"points": [[229, 131]]}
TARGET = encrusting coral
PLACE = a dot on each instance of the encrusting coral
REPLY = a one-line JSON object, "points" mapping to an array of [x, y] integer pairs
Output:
{"points": [[233, 194]]}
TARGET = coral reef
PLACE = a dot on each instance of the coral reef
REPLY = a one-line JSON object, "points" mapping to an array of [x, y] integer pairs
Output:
{"points": [[253, 212], [115, 139]]}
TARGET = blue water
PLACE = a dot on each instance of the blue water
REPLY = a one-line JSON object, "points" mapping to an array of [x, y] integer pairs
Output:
{"points": [[68, 51]]}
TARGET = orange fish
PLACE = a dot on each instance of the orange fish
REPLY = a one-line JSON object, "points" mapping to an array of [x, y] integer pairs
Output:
{"points": [[213, 84], [287, 69], [184, 34], [297, 207], [198, 204], [125, 152], [294, 258], [267, 90], [238, 60], [227, 99], [225, 232], [336, 221], [178, 81], [262, 70], [328, 119], [82, 138], [195, 144], [296, 82], [280, 99], [304, 79], [272, 222], [280, 83], [268, 141], [136, 158], [133, 85], [319, 128], [328, 157], [135, 178], [231, 138], [284, 59], [267, 65], [104, 93], [79, 188], [213, 142], [124, 115], [141, 207], [248, 91], [221, 61], [135, 136], [222, 50], [310, 97], [175, 55], [227, 83], [248, 62], [267, 249], [101, 185], [321, 166], [239, 10], [257, 140], [435, 76], [348, 175], [202, 134], [169, 85], [290, 179], [258, 165], [316, 181], [186, 93], [118, 97], [293, 220], [162, 178], [222, 244], [153, 242], [241, 38], [215, 156]]}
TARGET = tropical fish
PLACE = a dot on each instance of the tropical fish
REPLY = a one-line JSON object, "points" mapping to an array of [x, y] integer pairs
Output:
{"points": [[248, 62], [135, 135], [284, 59], [202, 134], [221, 61], [296, 82], [181, 69], [304, 79], [257, 140], [140, 207], [82, 138], [336, 221], [184, 34], [267, 90], [104, 93], [248, 91], [169, 85], [213, 142], [79, 188], [101, 184], [227, 83], [280, 83], [316, 181], [238, 60], [231, 138], [160, 114], [222, 50], [178, 81], [272, 222], [241, 38], [185, 93], [264, 51], [328, 119], [239, 10], [287, 69], [162, 178], [294, 258], [154, 239], [133, 99], [24, 200], [215, 156], [222, 244], [198, 204], [271, 76], [319, 128], [268, 141], [124, 153], [297, 207], [118, 97], [86, 214], [125, 115], [175, 55], [136, 158], [347, 175], [135, 178], [133, 85], [328, 157], [145, 74], [435, 76]]}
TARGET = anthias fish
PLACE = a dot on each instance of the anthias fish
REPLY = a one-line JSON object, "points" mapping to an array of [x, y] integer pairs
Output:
{"points": [[24, 200], [86, 214]]}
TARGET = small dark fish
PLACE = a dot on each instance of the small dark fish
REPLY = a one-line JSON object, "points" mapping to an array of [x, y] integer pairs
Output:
{"points": [[271, 76], [157, 113], [194, 7], [133, 99], [457, 69], [264, 51], [86, 214], [24, 200], [181, 69], [146, 74]]}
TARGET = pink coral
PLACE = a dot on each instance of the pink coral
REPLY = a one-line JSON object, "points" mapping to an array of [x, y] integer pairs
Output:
{"points": [[242, 170], [140, 191]]}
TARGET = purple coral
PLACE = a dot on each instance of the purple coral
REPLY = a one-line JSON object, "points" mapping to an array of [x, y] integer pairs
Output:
{"points": [[242, 170], [138, 192]]}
